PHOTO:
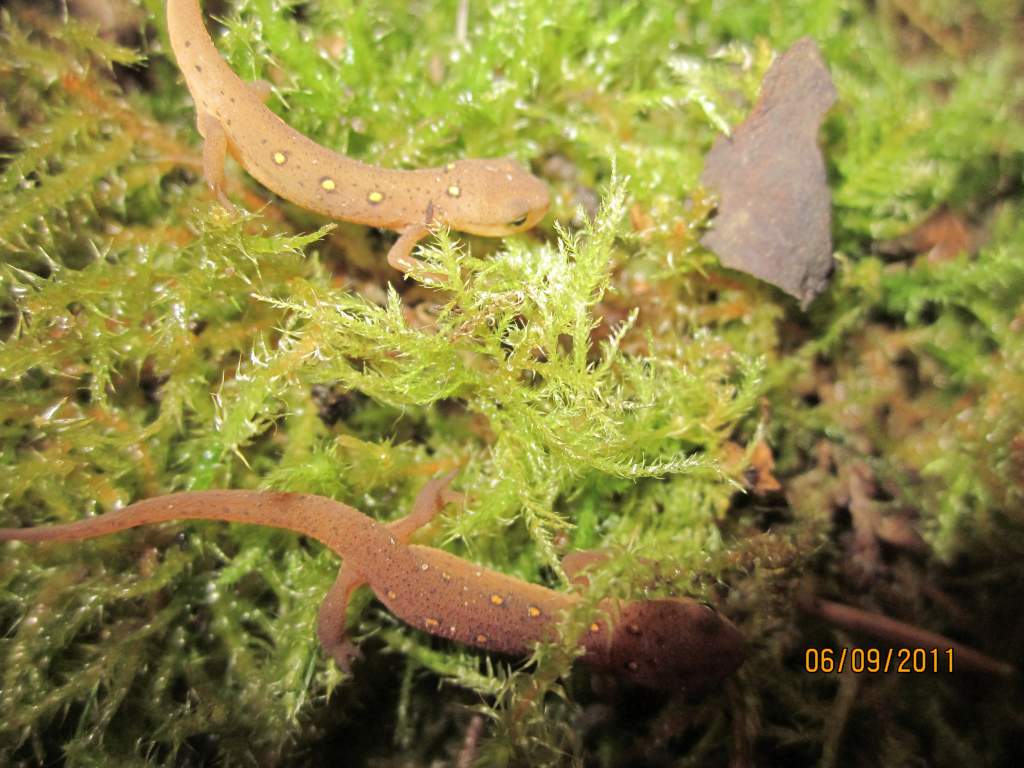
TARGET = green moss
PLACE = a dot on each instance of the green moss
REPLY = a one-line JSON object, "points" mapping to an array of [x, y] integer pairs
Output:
{"points": [[602, 385]]}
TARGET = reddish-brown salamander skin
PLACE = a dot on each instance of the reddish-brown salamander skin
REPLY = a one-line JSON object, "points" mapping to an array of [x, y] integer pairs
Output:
{"points": [[671, 644], [493, 197]]}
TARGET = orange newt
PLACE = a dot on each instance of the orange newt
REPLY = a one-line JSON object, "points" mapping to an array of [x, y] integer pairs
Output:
{"points": [[491, 197], [668, 644]]}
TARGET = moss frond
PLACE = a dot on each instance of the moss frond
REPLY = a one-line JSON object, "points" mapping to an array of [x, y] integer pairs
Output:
{"points": [[599, 382]]}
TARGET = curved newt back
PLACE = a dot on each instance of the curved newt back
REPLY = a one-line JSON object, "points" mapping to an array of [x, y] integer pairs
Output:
{"points": [[459, 600]]}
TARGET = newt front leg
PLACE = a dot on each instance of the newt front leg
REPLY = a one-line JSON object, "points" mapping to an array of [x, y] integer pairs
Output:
{"points": [[400, 256]]}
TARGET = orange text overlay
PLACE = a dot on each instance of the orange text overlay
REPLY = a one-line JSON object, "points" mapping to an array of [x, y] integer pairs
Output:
{"points": [[871, 660]]}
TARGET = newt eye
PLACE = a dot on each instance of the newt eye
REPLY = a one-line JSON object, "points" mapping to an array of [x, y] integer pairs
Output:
{"points": [[518, 222], [709, 606]]}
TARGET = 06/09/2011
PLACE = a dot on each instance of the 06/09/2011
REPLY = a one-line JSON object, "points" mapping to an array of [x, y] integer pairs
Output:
{"points": [[871, 660]]}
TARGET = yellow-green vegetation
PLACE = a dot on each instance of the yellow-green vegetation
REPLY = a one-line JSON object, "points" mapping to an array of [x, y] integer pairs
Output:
{"points": [[601, 383]]}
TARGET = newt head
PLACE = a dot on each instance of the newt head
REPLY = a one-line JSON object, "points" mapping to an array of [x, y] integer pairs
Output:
{"points": [[670, 644], [492, 197]]}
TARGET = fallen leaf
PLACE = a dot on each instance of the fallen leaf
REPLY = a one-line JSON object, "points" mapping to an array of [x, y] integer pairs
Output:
{"points": [[774, 211]]}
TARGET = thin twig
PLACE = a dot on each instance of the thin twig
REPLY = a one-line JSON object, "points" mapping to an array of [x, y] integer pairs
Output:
{"points": [[904, 635]]}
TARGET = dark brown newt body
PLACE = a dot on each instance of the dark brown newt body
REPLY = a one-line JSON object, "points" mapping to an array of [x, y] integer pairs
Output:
{"points": [[668, 644]]}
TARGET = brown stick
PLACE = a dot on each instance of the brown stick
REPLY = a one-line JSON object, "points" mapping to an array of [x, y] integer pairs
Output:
{"points": [[905, 635]]}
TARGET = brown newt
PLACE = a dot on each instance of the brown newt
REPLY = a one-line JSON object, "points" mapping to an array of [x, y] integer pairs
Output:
{"points": [[492, 197], [669, 644]]}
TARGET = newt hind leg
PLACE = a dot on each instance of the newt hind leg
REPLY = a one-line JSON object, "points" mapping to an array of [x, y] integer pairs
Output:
{"points": [[576, 563], [216, 145], [330, 625], [433, 497]]}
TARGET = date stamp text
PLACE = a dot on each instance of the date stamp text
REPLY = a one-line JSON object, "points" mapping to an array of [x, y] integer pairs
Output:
{"points": [[873, 660]]}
